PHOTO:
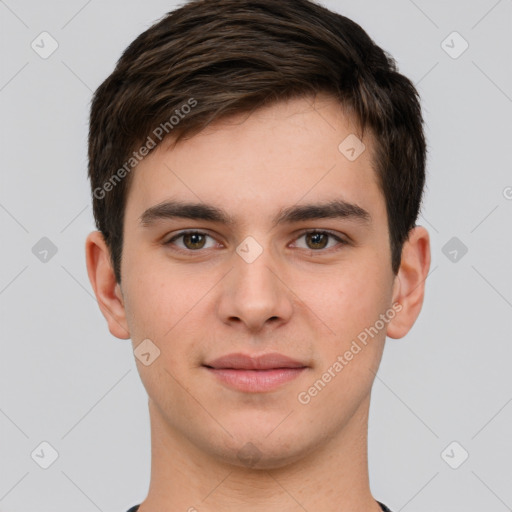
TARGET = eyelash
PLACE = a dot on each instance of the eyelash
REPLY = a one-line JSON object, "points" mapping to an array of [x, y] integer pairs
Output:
{"points": [[307, 232]]}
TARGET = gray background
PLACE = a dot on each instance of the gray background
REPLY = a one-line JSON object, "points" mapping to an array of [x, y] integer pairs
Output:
{"points": [[65, 380]]}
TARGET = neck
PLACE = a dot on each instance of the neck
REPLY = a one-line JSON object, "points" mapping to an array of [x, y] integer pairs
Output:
{"points": [[332, 478]]}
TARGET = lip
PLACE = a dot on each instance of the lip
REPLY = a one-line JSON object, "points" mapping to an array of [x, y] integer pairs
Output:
{"points": [[239, 361], [255, 374]]}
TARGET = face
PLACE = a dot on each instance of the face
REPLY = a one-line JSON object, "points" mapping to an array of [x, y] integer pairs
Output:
{"points": [[286, 252]]}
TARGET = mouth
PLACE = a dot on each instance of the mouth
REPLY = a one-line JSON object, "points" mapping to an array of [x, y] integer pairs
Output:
{"points": [[255, 374]]}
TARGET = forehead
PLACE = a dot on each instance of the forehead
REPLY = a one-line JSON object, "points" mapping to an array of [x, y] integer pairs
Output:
{"points": [[299, 150]]}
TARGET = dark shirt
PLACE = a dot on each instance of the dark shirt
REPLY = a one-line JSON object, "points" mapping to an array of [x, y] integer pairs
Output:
{"points": [[382, 506]]}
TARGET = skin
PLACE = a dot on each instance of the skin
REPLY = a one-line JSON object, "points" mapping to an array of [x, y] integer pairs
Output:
{"points": [[296, 298]]}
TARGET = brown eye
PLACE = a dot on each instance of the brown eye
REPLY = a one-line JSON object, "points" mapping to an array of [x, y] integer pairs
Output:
{"points": [[319, 240], [191, 241], [316, 240], [194, 240]]}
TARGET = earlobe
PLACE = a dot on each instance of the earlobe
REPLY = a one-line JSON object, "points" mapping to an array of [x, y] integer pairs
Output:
{"points": [[409, 286], [107, 290]]}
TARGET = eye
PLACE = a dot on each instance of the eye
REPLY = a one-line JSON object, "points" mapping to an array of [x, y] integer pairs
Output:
{"points": [[194, 241], [318, 240], [191, 241]]}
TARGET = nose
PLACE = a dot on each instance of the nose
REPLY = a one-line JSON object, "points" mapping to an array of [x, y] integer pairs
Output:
{"points": [[255, 294]]}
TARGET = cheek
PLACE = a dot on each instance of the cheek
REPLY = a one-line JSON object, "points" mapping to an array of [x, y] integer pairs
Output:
{"points": [[157, 304], [160, 307], [351, 306], [350, 299], [168, 307]]}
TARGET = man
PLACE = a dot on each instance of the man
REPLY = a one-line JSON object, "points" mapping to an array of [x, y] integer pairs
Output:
{"points": [[257, 168]]}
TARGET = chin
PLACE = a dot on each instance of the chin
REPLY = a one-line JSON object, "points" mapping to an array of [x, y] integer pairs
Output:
{"points": [[262, 449]]}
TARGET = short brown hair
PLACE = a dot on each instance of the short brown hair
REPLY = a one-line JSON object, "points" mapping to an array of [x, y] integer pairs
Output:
{"points": [[225, 57]]}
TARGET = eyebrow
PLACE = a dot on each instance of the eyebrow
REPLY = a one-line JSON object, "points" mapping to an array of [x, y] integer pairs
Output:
{"points": [[336, 208]]}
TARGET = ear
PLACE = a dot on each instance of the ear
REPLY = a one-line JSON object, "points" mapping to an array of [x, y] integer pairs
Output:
{"points": [[107, 290], [409, 285]]}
